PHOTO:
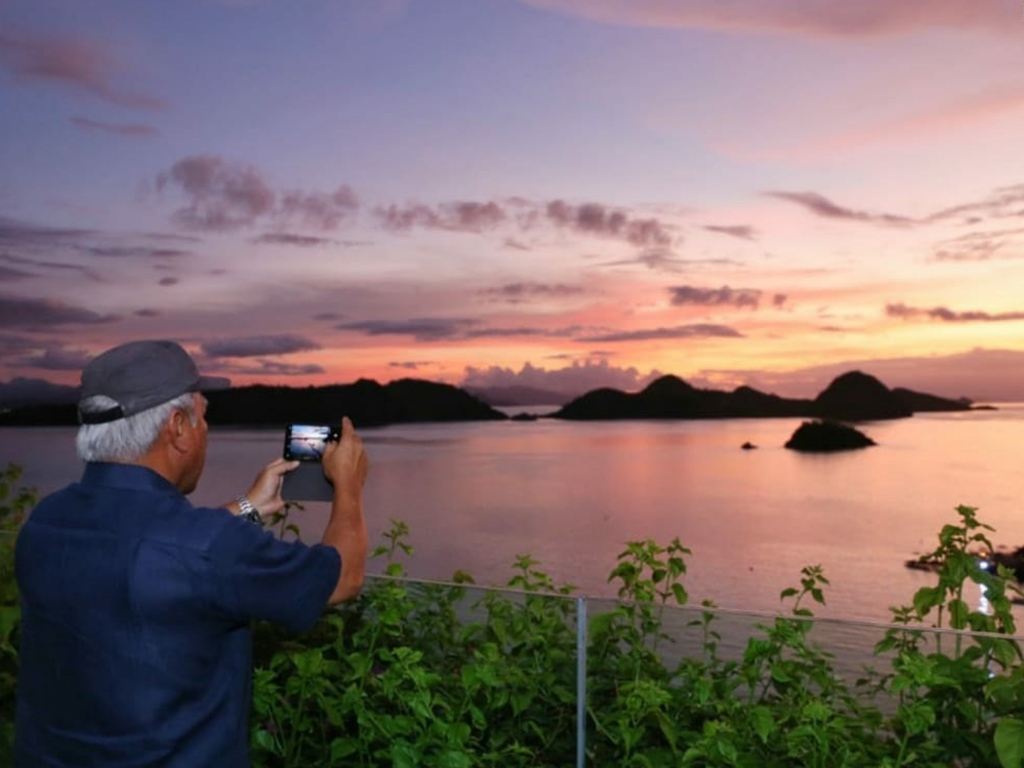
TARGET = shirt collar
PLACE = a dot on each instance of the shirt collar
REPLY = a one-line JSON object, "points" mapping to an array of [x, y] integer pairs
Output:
{"points": [[130, 476]]}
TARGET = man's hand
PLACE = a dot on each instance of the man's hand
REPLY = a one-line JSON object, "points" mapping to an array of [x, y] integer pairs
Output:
{"points": [[265, 493], [346, 464]]}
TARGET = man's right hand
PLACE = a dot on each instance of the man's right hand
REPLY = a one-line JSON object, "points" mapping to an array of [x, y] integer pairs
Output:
{"points": [[345, 463]]}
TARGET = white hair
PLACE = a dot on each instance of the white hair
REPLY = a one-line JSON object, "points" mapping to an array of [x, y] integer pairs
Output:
{"points": [[128, 439]]}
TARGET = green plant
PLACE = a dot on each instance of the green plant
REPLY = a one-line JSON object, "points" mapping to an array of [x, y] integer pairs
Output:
{"points": [[15, 503], [961, 706]]}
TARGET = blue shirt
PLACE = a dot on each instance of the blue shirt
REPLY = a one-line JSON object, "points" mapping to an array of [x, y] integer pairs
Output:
{"points": [[136, 606]]}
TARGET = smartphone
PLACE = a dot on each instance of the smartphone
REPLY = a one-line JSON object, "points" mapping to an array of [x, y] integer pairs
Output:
{"points": [[306, 442]]}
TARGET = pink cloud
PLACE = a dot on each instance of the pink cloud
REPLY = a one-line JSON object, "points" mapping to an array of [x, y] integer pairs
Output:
{"points": [[597, 219], [319, 210], [455, 217], [221, 195], [79, 63], [820, 18], [572, 380], [956, 114]]}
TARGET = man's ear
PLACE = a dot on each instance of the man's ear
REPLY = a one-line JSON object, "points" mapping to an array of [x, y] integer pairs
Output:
{"points": [[177, 430]]}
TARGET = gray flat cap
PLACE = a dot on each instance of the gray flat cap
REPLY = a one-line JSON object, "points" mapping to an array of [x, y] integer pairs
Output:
{"points": [[138, 375]]}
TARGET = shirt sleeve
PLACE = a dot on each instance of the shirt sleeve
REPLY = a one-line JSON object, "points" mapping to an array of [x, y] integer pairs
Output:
{"points": [[255, 575]]}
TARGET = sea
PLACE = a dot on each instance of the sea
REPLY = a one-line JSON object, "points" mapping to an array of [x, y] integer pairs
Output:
{"points": [[572, 494]]}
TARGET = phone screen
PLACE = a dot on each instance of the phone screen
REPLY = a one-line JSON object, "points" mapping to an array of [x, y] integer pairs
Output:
{"points": [[306, 442]]}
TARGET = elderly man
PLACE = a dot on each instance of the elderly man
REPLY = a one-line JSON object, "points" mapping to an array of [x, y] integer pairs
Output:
{"points": [[136, 606]]}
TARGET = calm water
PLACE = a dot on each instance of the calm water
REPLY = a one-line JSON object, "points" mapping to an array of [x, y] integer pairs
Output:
{"points": [[571, 494]]}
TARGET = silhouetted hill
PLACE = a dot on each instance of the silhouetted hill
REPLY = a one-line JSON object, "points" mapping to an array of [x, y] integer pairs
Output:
{"points": [[919, 402], [366, 402], [857, 396], [854, 396], [20, 392], [669, 397]]}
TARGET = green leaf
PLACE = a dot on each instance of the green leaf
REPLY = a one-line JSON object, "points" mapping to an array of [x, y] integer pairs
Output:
{"points": [[927, 598], [958, 613], [265, 741], [763, 722], [679, 591], [1009, 741]]}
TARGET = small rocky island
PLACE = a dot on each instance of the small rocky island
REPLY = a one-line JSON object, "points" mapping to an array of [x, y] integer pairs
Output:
{"points": [[827, 436]]}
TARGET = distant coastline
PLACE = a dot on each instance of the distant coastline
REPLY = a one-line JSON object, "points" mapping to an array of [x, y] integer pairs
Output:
{"points": [[853, 396]]}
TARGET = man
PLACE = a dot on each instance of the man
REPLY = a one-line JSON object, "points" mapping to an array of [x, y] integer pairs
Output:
{"points": [[136, 606]]}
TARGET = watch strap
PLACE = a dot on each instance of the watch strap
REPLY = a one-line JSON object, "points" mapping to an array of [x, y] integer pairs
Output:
{"points": [[248, 511]]}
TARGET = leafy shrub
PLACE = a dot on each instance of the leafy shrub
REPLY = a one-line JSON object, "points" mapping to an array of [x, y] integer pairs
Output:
{"points": [[15, 502]]}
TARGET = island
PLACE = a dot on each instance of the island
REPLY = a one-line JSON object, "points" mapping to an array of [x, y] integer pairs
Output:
{"points": [[827, 436], [853, 396], [366, 402]]}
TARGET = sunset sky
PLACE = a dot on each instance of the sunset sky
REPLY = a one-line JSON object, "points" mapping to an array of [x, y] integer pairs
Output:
{"points": [[558, 193]]}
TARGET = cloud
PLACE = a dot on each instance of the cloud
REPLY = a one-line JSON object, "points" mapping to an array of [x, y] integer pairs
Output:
{"points": [[221, 196], [57, 265], [779, 300], [411, 365], [572, 380], [319, 210], [518, 293], [599, 220], [258, 346], [978, 246], [82, 64], [55, 358], [421, 329], [683, 295], [10, 274], [172, 237], [516, 245], [286, 238], [16, 345], [120, 252], [277, 368], [432, 329], [1004, 202], [130, 130], [17, 233], [147, 313], [487, 333], [822, 18], [696, 330], [822, 206], [168, 281], [983, 106], [35, 313], [663, 260], [454, 217], [904, 312], [741, 231]]}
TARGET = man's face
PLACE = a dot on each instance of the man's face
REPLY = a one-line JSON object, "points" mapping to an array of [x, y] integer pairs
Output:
{"points": [[197, 458]]}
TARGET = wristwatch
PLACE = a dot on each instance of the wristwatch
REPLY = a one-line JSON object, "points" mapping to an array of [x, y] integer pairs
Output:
{"points": [[248, 511]]}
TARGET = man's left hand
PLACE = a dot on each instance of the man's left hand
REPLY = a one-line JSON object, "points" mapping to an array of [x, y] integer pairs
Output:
{"points": [[265, 493]]}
